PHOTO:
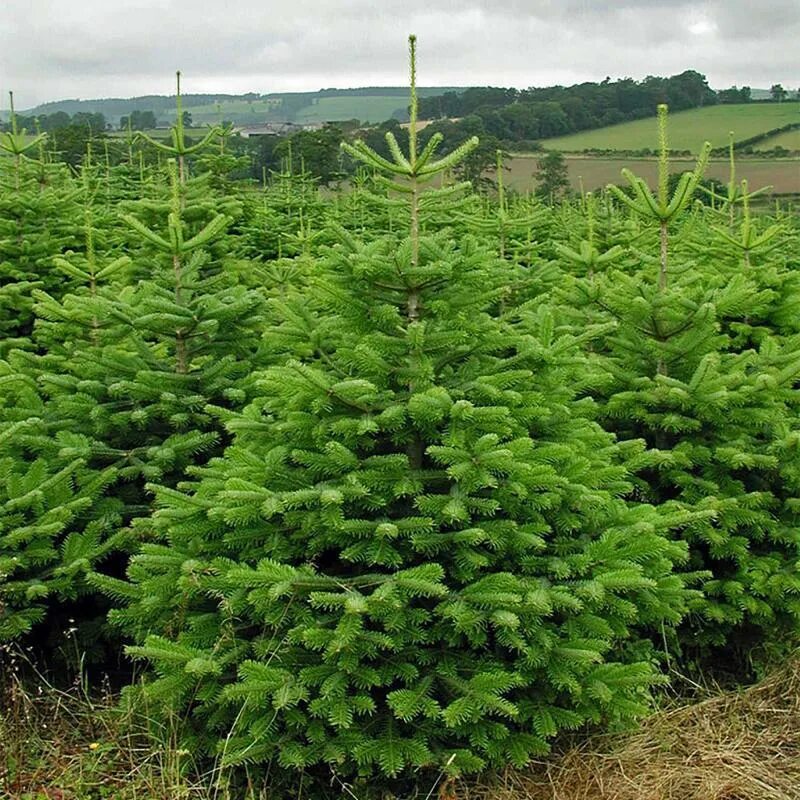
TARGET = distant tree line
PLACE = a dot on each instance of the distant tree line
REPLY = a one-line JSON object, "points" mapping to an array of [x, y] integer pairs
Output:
{"points": [[735, 95], [584, 105], [527, 115], [48, 123], [138, 120]]}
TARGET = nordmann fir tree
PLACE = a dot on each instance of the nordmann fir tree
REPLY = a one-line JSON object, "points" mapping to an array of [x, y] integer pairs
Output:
{"points": [[519, 225], [37, 206], [57, 520], [181, 149], [754, 245], [736, 193], [185, 332], [589, 257], [62, 323], [720, 422], [661, 207], [367, 206], [757, 247], [414, 554], [16, 144], [221, 162], [132, 356], [286, 219]]}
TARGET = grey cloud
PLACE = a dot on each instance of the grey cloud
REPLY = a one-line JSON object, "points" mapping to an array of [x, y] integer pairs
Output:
{"points": [[68, 48]]}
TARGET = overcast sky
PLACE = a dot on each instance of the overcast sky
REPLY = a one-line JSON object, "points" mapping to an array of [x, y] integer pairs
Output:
{"points": [[56, 49]]}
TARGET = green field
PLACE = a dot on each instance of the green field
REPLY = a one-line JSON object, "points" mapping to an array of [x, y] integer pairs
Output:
{"points": [[367, 109], [789, 139], [239, 111], [688, 129]]}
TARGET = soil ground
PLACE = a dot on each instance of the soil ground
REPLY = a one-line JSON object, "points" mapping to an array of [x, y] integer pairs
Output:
{"points": [[595, 172]]}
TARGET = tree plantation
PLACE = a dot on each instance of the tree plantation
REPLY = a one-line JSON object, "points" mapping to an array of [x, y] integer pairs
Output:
{"points": [[405, 479]]}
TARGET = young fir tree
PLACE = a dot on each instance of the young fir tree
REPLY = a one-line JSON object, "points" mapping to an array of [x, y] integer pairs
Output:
{"points": [[55, 521], [180, 148], [37, 209], [414, 554], [720, 420], [366, 206], [59, 522], [758, 247], [518, 225], [287, 218], [128, 361]]}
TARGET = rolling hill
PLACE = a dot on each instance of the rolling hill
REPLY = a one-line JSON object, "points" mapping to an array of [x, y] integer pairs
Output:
{"points": [[369, 104]]}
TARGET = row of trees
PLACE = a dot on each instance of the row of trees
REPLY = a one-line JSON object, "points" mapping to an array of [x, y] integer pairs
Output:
{"points": [[744, 95], [146, 120], [584, 105], [94, 122], [779, 94], [539, 113], [49, 123]]}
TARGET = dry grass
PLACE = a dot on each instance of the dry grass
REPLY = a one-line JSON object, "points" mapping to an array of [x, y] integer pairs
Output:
{"points": [[66, 745], [741, 745]]}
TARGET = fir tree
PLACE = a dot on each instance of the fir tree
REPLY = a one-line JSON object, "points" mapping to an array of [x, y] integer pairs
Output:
{"points": [[414, 554], [720, 418], [128, 362], [55, 521], [180, 148], [37, 206]]}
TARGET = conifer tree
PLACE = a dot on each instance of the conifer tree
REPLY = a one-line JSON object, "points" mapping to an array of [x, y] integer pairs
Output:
{"points": [[181, 149], [181, 331], [719, 416], [414, 554], [37, 206], [55, 521], [757, 247], [126, 364], [518, 225]]}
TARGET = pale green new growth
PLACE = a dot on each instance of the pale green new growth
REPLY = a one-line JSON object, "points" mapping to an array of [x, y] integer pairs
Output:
{"points": [[179, 148], [734, 194], [661, 207], [414, 166], [14, 142], [747, 240], [587, 255], [175, 244]]}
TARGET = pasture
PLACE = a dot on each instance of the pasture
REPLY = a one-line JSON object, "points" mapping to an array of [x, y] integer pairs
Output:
{"points": [[343, 107], [688, 129], [788, 139]]}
